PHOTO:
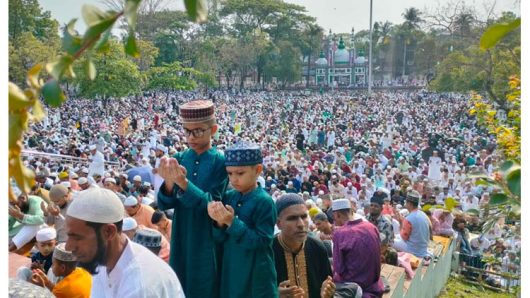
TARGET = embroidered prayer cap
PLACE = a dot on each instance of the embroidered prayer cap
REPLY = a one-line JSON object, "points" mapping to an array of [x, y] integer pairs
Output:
{"points": [[148, 237], [60, 253], [340, 204], [413, 196], [129, 223], [288, 200], [58, 192], [46, 234], [98, 205], [243, 154], [197, 111]]}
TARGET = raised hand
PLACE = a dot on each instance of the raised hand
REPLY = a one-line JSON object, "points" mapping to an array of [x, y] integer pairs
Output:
{"points": [[328, 288], [286, 290]]}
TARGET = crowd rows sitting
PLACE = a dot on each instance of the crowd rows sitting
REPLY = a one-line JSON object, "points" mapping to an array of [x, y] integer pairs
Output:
{"points": [[339, 170]]}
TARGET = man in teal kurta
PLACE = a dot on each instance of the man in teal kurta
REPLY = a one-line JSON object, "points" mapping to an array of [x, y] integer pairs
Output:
{"points": [[192, 179], [244, 223]]}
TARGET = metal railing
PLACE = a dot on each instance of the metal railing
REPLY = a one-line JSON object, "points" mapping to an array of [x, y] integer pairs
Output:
{"points": [[62, 158]]}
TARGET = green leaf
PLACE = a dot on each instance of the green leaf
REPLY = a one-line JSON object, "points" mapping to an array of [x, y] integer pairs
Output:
{"points": [[18, 122], [514, 181], [93, 15], [498, 199], [450, 203], [99, 28], [32, 78], [130, 46], [90, 69], [481, 181], [473, 211], [58, 68], [197, 10], [506, 165], [102, 45], [496, 32], [131, 12], [17, 99], [52, 93], [37, 111], [71, 41]]}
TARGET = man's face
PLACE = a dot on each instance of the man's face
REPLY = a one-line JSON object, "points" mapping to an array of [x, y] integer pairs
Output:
{"points": [[294, 223], [87, 244], [375, 209], [323, 226], [61, 202], [131, 210], [199, 143], [84, 186]]}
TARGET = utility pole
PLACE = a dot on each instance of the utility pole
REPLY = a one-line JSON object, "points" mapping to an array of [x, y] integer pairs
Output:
{"points": [[370, 55]]}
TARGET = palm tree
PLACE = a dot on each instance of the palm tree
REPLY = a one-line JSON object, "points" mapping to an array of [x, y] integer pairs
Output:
{"points": [[412, 18], [463, 24], [410, 26], [313, 35]]}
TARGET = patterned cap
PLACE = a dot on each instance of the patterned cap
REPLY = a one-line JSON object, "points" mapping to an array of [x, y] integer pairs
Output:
{"points": [[197, 111], [413, 196], [148, 237], [243, 154], [60, 253]]}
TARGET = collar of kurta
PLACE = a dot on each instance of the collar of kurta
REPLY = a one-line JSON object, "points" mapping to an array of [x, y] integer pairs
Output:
{"points": [[296, 266]]}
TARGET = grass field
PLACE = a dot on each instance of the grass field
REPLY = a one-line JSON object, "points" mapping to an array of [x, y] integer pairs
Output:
{"points": [[457, 287]]}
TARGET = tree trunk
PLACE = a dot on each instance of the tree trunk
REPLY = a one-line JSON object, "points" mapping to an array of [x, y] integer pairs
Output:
{"points": [[308, 68]]}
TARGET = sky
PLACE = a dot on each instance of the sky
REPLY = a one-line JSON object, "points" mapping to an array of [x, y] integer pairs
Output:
{"points": [[338, 15]]}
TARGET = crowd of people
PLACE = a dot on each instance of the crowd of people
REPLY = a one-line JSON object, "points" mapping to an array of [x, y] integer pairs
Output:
{"points": [[253, 194]]}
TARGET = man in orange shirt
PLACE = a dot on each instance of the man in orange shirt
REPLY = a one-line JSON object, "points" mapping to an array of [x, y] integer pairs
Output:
{"points": [[76, 282], [163, 223], [140, 212]]}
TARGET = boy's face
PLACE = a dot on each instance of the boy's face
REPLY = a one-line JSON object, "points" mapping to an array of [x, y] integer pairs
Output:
{"points": [[46, 247], [243, 178], [198, 135], [58, 269]]}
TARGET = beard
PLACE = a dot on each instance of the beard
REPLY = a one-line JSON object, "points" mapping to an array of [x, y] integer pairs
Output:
{"points": [[24, 207], [99, 258]]}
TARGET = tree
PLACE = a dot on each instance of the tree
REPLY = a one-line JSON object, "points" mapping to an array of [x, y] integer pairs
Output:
{"points": [[30, 52], [312, 37], [148, 55], [28, 16], [172, 77], [116, 75]]}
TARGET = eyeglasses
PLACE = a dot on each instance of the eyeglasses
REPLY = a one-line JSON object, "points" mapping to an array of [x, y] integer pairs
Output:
{"points": [[197, 132]]}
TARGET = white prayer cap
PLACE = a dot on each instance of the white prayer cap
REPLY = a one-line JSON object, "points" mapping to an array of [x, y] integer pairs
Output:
{"points": [[82, 180], [148, 184], [320, 192], [98, 205], [340, 204], [112, 180], [130, 201], [349, 184], [92, 147], [404, 212], [124, 175], [161, 147], [290, 183], [129, 223], [84, 170], [73, 175], [66, 184], [273, 186], [46, 234], [137, 178]]}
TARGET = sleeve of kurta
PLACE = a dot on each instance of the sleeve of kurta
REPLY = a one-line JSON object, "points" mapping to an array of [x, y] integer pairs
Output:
{"points": [[338, 262], [195, 197], [259, 236], [37, 218]]}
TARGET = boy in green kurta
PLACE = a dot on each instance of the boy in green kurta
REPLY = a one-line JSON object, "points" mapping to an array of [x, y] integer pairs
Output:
{"points": [[244, 222], [192, 179]]}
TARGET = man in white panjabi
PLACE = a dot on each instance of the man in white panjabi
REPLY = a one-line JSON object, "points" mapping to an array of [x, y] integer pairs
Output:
{"points": [[435, 164], [120, 267], [160, 152], [97, 164]]}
